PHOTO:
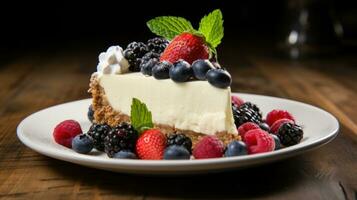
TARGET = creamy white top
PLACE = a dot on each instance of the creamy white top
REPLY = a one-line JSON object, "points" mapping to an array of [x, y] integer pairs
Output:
{"points": [[194, 105], [112, 61]]}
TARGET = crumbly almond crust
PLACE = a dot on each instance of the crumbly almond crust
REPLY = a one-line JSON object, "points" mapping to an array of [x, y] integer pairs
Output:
{"points": [[104, 113]]}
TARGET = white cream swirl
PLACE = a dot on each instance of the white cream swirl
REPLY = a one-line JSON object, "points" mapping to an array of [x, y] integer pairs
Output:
{"points": [[112, 61]]}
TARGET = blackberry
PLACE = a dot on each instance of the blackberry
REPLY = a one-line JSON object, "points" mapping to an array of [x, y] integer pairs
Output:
{"points": [[133, 53], [157, 45], [180, 140], [148, 61], [98, 132], [121, 137], [290, 134], [253, 107], [246, 113]]}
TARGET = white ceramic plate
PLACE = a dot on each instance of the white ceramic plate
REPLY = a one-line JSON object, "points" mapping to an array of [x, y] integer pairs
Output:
{"points": [[35, 131]]}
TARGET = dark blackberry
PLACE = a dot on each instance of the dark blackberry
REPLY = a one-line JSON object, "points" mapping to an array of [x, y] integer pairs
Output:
{"points": [[253, 107], [157, 45], [90, 113], [121, 137], [181, 140], [133, 53], [148, 61], [244, 114], [290, 134], [98, 132]]}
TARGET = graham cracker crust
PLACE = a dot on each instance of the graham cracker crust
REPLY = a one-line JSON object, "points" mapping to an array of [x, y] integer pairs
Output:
{"points": [[105, 114]]}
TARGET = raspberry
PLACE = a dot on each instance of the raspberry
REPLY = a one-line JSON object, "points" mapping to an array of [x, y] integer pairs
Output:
{"points": [[275, 115], [275, 127], [246, 127], [208, 147], [65, 131], [259, 141], [151, 145], [237, 101]]}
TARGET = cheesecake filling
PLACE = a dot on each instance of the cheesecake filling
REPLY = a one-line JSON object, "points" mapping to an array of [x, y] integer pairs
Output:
{"points": [[193, 105]]}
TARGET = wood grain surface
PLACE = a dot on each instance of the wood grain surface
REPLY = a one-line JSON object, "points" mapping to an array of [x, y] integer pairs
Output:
{"points": [[35, 81]]}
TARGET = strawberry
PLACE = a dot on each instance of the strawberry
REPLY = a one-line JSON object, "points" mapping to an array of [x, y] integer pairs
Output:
{"points": [[151, 145], [186, 46], [187, 43]]}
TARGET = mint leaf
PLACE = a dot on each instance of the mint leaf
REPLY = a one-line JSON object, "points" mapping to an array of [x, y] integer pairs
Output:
{"points": [[211, 26], [169, 26], [140, 116]]}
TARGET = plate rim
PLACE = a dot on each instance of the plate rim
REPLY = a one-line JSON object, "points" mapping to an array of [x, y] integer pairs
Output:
{"points": [[248, 159]]}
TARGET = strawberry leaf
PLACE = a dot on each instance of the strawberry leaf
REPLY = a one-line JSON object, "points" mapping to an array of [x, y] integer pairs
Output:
{"points": [[211, 26], [140, 116], [169, 26]]}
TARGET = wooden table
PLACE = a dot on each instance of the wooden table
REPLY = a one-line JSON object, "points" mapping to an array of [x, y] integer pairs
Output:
{"points": [[37, 80]]}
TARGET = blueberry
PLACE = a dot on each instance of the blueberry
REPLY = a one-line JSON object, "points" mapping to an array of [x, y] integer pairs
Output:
{"points": [[161, 70], [90, 113], [219, 78], [181, 71], [277, 142], [264, 126], [200, 68], [176, 152], [125, 154], [146, 68], [82, 143], [236, 148]]}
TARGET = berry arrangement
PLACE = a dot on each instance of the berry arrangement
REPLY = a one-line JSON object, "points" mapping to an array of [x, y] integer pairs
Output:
{"points": [[140, 140], [181, 53]]}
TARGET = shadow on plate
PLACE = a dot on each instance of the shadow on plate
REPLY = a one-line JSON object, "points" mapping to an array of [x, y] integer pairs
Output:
{"points": [[251, 182]]}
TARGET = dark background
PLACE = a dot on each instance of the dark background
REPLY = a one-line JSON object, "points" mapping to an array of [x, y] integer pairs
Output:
{"points": [[53, 24]]}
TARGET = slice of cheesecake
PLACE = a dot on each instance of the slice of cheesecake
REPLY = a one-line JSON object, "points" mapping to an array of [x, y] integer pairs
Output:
{"points": [[194, 108]]}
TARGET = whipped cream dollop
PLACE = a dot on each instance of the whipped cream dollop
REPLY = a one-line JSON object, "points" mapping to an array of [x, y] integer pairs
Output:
{"points": [[112, 61]]}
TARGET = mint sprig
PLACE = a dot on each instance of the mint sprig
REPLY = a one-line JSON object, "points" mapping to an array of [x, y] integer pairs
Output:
{"points": [[140, 116], [211, 26], [169, 26]]}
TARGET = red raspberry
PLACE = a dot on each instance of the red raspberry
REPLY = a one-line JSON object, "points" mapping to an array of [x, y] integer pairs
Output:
{"points": [[275, 127], [151, 145], [237, 101], [259, 141], [247, 127], [275, 115], [65, 131], [208, 147]]}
